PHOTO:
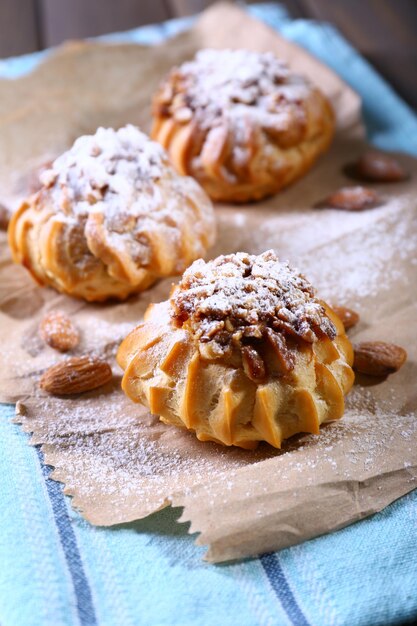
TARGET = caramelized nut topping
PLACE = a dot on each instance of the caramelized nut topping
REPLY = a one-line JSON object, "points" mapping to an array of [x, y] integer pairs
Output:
{"points": [[377, 167], [253, 364], [238, 300], [112, 174], [217, 85], [351, 199], [284, 356]]}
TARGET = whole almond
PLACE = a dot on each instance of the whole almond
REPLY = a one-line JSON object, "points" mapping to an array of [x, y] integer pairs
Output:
{"points": [[348, 317], [351, 199], [5, 216], [377, 358], [58, 331], [20, 409], [76, 375], [377, 167]]}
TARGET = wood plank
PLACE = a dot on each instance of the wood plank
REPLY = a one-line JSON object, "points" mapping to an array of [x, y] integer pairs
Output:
{"points": [[181, 8], [188, 7], [74, 19], [375, 24], [18, 27], [382, 31]]}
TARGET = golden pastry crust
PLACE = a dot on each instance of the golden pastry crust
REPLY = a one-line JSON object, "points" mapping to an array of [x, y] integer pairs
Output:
{"points": [[241, 123], [112, 217], [242, 352]]}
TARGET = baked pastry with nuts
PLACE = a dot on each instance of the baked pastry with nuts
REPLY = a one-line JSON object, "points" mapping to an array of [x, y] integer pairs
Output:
{"points": [[242, 352], [112, 216], [241, 123]]}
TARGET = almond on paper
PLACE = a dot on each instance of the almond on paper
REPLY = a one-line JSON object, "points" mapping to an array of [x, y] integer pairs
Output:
{"points": [[351, 199], [76, 375], [348, 317], [377, 358], [377, 167], [57, 330], [20, 409]]}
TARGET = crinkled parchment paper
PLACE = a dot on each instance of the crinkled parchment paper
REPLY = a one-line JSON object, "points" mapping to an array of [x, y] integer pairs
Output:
{"points": [[118, 462]]}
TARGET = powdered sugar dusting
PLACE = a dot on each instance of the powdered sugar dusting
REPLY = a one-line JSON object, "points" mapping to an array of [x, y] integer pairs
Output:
{"points": [[238, 293], [111, 451], [372, 261], [120, 459], [127, 178], [235, 85], [111, 163]]}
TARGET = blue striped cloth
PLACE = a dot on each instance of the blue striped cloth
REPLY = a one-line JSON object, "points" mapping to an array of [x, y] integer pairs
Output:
{"points": [[56, 569]]}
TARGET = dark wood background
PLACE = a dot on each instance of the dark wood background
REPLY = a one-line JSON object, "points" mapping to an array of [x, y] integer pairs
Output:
{"points": [[384, 31]]}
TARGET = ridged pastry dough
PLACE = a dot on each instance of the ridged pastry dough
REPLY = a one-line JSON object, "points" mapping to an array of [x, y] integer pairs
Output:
{"points": [[241, 123], [242, 352], [112, 216]]}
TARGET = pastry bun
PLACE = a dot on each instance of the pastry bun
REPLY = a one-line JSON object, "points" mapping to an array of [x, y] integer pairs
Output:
{"points": [[242, 352], [112, 216], [241, 123]]}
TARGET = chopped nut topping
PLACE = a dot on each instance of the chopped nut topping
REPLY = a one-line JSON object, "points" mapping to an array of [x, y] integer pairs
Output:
{"points": [[221, 87], [243, 300], [284, 356], [253, 364], [114, 174]]}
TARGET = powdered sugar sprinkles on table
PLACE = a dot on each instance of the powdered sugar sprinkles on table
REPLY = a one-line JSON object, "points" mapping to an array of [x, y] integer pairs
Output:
{"points": [[107, 453]]}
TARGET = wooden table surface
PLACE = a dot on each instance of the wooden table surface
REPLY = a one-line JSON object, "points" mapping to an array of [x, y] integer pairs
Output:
{"points": [[384, 31]]}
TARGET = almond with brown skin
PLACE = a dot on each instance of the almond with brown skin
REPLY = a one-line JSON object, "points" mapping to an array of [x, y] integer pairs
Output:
{"points": [[20, 409], [351, 199], [58, 331], [377, 358], [5, 216], [377, 167], [76, 375], [348, 317]]}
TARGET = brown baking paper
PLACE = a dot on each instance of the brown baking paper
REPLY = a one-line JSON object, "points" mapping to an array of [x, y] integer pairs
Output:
{"points": [[118, 462]]}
